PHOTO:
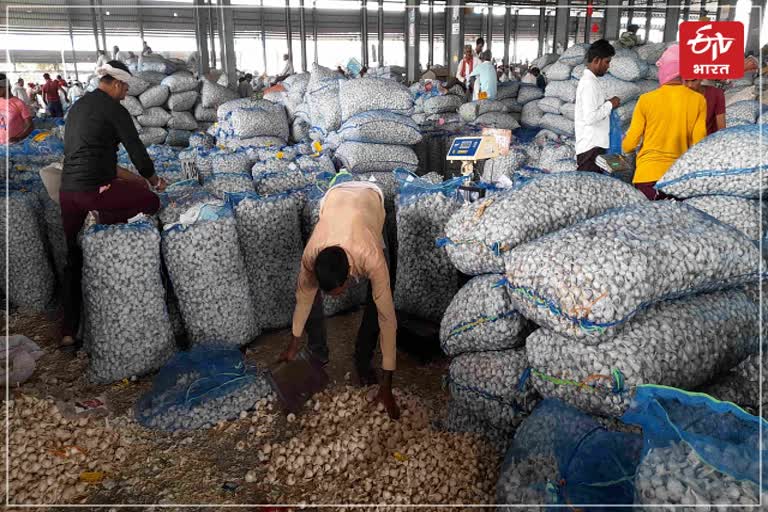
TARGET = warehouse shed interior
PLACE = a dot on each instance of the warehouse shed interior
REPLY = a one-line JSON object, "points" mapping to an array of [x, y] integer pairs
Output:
{"points": [[374, 254]]}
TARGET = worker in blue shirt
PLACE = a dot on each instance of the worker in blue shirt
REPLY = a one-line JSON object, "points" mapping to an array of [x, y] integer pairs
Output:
{"points": [[485, 85]]}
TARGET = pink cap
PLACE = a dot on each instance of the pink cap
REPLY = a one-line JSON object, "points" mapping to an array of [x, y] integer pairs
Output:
{"points": [[669, 64]]}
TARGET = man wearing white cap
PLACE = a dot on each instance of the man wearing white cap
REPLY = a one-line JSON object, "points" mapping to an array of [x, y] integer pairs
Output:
{"points": [[92, 180]]}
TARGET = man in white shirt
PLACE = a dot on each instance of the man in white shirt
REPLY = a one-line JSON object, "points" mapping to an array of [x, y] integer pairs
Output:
{"points": [[592, 123], [466, 65], [21, 93], [75, 92], [487, 81], [287, 70], [479, 45]]}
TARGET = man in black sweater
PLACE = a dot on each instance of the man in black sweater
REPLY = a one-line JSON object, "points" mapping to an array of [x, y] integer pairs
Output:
{"points": [[92, 180]]}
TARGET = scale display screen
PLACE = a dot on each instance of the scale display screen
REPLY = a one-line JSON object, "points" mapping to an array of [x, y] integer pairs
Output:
{"points": [[465, 147]]}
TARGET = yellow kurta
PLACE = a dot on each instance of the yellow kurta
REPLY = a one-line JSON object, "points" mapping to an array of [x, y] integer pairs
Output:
{"points": [[669, 120]]}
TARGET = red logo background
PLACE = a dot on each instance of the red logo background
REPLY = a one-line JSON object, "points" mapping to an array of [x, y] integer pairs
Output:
{"points": [[731, 36]]}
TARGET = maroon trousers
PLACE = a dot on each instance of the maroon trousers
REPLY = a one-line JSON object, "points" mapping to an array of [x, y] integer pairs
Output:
{"points": [[650, 192], [121, 201]]}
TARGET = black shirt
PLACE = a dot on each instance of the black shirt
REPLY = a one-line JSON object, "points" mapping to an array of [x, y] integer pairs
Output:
{"points": [[96, 125]]}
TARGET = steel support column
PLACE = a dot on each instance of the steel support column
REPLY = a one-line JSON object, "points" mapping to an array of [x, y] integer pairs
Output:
{"points": [[201, 37], [303, 35], [562, 14], [288, 31], [430, 35], [103, 28], [588, 22], [514, 35], [380, 31], [612, 20], [72, 43], [507, 16], [212, 32], [454, 11], [412, 39], [314, 27], [542, 28], [227, 33], [672, 17], [95, 26], [489, 27], [364, 32], [686, 9], [140, 19], [263, 35], [631, 11], [648, 18], [755, 24]]}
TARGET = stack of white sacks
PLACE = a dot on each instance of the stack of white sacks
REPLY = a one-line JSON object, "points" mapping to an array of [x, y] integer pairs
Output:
{"points": [[624, 291], [632, 73], [162, 100]]}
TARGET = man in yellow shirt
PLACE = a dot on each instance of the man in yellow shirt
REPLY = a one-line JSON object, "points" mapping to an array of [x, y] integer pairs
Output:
{"points": [[668, 120]]}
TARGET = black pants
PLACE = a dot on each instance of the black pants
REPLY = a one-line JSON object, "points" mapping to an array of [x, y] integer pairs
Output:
{"points": [[586, 161], [367, 335]]}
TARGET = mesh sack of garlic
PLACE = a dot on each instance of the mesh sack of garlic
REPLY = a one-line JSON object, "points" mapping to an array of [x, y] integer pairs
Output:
{"points": [[179, 138], [500, 120], [221, 183], [153, 135], [742, 385], [315, 163], [155, 96], [442, 104], [698, 451], [180, 82], [179, 197], [528, 93], [490, 385], [182, 121], [132, 105], [564, 90], [470, 111], [505, 165], [627, 65], [726, 162], [361, 157], [480, 233], [504, 91], [558, 124], [269, 231], [559, 71], [182, 101], [562, 456], [322, 98], [30, 283], [370, 93], [214, 299], [124, 301], [426, 280], [612, 86], [54, 230], [199, 388], [264, 119], [380, 127], [204, 115], [587, 280], [682, 343], [531, 115], [480, 318], [458, 419], [550, 105], [742, 112], [277, 182], [742, 214], [136, 85], [355, 294], [212, 94]]}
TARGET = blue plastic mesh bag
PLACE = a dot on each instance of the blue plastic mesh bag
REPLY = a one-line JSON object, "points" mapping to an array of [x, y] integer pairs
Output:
{"points": [[615, 134], [39, 146], [714, 448], [561, 456], [206, 385]]}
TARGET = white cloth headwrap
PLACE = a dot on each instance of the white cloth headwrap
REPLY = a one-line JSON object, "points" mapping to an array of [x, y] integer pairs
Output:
{"points": [[117, 73]]}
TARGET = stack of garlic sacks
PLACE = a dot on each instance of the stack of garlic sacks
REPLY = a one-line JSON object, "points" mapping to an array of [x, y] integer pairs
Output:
{"points": [[632, 73], [596, 266]]}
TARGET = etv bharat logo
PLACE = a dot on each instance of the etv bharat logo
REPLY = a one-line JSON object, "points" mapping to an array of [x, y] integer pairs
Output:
{"points": [[711, 50]]}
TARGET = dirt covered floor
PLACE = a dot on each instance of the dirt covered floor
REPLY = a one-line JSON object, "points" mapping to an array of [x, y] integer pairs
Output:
{"points": [[341, 450]]}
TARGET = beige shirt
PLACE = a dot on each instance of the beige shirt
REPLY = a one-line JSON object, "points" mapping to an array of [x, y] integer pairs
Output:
{"points": [[351, 217]]}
